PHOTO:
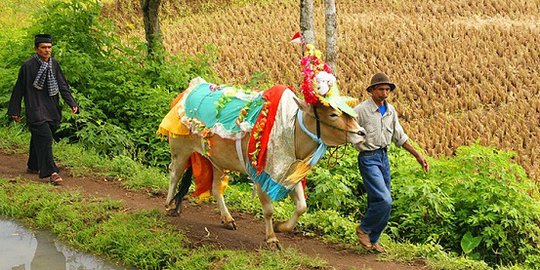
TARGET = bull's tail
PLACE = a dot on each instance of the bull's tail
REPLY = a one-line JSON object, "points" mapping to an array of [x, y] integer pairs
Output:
{"points": [[183, 189], [199, 168]]}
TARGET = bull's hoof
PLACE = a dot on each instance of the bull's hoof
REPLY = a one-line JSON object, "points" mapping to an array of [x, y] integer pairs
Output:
{"points": [[273, 245], [231, 225]]}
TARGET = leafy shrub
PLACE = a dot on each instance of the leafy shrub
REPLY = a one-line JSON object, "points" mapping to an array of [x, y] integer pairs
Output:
{"points": [[480, 195], [335, 183], [478, 203], [123, 96], [106, 138]]}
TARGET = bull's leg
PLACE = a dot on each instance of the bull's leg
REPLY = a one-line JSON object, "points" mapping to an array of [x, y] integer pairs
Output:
{"points": [[219, 183], [268, 212], [176, 169], [297, 195]]}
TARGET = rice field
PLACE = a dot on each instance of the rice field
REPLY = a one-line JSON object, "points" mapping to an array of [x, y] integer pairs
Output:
{"points": [[466, 70]]}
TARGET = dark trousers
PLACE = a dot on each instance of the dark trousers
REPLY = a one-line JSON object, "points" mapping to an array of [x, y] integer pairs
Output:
{"points": [[41, 156]]}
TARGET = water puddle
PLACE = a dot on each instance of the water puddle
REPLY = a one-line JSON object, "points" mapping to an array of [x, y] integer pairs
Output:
{"points": [[22, 249]]}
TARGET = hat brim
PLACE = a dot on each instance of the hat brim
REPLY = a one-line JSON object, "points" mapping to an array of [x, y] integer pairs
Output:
{"points": [[339, 102], [342, 105], [392, 86]]}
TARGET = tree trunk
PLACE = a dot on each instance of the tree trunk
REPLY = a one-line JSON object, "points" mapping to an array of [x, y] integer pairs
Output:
{"points": [[152, 30], [331, 34], [306, 21]]}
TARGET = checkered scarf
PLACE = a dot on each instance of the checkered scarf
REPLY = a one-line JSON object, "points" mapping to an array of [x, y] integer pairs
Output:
{"points": [[46, 70]]}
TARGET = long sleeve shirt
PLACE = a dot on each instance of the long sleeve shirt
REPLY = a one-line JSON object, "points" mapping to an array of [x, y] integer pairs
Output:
{"points": [[39, 106], [381, 130]]}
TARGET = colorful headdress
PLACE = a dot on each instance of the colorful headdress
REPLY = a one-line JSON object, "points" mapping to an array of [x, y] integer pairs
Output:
{"points": [[319, 84]]}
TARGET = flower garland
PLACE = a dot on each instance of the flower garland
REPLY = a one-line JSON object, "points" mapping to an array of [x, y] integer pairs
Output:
{"points": [[198, 127], [311, 64], [257, 130], [243, 113]]}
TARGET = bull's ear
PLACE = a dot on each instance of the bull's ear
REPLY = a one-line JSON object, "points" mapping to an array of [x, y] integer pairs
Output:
{"points": [[301, 104]]}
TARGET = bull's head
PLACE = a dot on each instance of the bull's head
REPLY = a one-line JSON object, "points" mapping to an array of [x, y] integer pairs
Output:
{"points": [[335, 126]]}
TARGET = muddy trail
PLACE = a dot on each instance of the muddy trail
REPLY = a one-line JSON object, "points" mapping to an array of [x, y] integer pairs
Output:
{"points": [[201, 223]]}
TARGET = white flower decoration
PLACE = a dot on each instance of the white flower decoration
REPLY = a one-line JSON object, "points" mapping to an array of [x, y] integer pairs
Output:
{"points": [[325, 81]]}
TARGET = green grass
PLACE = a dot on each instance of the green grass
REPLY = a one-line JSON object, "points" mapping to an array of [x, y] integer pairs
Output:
{"points": [[15, 139], [327, 224], [83, 161], [142, 239]]}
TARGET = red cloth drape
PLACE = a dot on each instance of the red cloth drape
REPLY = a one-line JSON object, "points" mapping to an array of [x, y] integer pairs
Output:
{"points": [[266, 122]]}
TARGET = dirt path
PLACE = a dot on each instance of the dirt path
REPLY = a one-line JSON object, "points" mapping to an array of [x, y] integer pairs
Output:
{"points": [[195, 218]]}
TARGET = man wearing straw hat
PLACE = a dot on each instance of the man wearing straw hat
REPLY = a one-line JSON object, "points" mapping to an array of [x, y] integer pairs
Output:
{"points": [[40, 83], [381, 122]]}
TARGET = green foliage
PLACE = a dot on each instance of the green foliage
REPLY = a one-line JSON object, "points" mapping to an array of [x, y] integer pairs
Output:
{"points": [[469, 242], [142, 239], [123, 167], [259, 81], [148, 178], [146, 236], [239, 196], [106, 138], [335, 183], [79, 160], [331, 225], [13, 138], [480, 192], [209, 258], [433, 255], [445, 262], [123, 96], [494, 212]]}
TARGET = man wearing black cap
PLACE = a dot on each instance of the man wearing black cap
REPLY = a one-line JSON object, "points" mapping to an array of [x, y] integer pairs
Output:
{"points": [[40, 83], [381, 122]]}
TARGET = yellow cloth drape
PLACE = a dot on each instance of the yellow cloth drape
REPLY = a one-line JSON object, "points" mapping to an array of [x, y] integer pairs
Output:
{"points": [[171, 125]]}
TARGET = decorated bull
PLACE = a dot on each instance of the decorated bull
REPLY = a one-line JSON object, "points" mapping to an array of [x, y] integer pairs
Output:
{"points": [[272, 136]]}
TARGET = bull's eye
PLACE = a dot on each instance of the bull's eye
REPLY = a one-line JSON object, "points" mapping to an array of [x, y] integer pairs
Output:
{"points": [[334, 115]]}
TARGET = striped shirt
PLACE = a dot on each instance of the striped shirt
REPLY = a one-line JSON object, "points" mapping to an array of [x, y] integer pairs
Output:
{"points": [[380, 130]]}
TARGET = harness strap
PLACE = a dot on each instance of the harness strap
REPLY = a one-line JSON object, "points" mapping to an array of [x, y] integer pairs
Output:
{"points": [[321, 149], [239, 153], [318, 122]]}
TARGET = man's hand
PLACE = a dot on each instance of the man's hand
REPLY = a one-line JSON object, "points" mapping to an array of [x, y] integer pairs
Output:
{"points": [[74, 109], [423, 162], [16, 118]]}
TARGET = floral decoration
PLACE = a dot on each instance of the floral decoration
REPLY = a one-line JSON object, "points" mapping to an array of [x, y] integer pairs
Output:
{"points": [[242, 114], [311, 64], [257, 129], [198, 127]]}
